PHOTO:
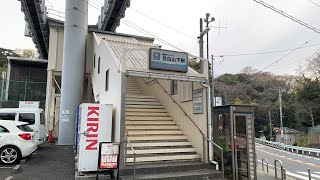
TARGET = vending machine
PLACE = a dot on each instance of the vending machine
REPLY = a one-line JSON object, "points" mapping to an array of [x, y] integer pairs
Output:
{"points": [[93, 125]]}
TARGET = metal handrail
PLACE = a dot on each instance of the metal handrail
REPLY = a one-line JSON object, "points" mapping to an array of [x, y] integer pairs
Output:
{"points": [[134, 157], [281, 168], [266, 163], [203, 134]]}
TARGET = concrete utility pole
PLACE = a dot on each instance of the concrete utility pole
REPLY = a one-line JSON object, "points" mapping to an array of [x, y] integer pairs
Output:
{"points": [[75, 32], [212, 83], [201, 39], [280, 101], [270, 123]]}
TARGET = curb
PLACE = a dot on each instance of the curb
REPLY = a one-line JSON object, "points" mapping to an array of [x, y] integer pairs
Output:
{"points": [[16, 169]]}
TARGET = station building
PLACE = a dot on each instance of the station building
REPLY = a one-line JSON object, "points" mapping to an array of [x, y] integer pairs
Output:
{"points": [[152, 108]]}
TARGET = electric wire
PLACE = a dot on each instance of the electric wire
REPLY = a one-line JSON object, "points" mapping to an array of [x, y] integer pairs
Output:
{"points": [[287, 54], [173, 29], [263, 53], [314, 3]]}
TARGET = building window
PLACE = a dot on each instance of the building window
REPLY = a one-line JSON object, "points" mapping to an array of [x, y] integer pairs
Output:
{"points": [[173, 87], [94, 60], [107, 80], [186, 91], [99, 65]]}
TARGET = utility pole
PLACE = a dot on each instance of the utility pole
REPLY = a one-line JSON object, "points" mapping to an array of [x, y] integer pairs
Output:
{"points": [[270, 124], [201, 39], [280, 101], [212, 83], [207, 21]]}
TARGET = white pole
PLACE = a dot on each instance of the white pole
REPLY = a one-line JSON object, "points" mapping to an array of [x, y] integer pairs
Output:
{"points": [[75, 32]]}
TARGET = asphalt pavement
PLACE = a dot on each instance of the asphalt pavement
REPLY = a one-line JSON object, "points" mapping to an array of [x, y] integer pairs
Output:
{"points": [[49, 162], [296, 165]]}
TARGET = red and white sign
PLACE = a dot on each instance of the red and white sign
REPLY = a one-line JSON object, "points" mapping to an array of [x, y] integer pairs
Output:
{"points": [[109, 156], [29, 104], [94, 126]]}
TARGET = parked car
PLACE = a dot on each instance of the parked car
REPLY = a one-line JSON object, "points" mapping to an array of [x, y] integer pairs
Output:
{"points": [[17, 140], [33, 116]]}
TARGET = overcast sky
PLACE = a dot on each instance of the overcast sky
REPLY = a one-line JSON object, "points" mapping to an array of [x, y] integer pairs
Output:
{"points": [[251, 28]]}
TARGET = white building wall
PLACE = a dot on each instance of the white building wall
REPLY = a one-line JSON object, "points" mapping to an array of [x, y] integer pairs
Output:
{"points": [[108, 61]]}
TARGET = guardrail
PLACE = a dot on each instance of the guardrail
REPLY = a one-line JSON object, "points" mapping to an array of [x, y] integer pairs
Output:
{"points": [[296, 149]]}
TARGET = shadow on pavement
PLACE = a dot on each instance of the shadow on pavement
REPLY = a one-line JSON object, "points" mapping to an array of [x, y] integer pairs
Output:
{"points": [[49, 162]]}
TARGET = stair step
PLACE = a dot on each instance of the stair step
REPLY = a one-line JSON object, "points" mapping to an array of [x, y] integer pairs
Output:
{"points": [[156, 138], [142, 99], [150, 122], [164, 158], [151, 127], [141, 118], [153, 132], [165, 167], [133, 93], [144, 110], [147, 114], [137, 96], [144, 106], [142, 103], [160, 144], [162, 151], [179, 175]]}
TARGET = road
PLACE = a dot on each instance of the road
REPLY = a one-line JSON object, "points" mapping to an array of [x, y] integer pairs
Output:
{"points": [[296, 164]]}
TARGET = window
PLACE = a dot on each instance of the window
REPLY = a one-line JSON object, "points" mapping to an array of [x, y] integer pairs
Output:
{"points": [[25, 128], [27, 117], [99, 65], [186, 91], [173, 87], [94, 60], [42, 119], [7, 116], [3, 130], [107, 80]]}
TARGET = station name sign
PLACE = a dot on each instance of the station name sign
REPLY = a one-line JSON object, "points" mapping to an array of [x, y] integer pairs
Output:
{"points": [[167, 60]]}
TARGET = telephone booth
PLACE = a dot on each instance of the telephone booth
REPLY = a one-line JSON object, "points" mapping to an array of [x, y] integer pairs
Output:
{"points": [[233, 130]]}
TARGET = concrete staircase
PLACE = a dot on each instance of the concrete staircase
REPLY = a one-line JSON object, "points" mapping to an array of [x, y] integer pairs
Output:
{"points": [[158, 141]]}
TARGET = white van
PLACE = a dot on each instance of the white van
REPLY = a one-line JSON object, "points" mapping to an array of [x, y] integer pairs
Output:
{"points": [[33, 116]]}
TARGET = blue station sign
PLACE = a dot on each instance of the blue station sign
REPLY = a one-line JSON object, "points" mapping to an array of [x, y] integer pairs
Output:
{"points": [[167, 60]]}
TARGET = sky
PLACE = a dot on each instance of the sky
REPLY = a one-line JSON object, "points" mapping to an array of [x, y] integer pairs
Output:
{"points": [[246, 27]]}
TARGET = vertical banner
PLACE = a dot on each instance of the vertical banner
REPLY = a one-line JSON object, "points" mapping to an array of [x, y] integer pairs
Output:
{"points": [[197, 95]]}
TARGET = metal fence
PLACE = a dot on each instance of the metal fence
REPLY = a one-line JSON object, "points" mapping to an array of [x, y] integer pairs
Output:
{"points": [[314, 136], [11, 90]]}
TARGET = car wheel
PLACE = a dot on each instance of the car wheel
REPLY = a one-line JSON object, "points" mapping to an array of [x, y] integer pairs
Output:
{"points": [[9, 155]]}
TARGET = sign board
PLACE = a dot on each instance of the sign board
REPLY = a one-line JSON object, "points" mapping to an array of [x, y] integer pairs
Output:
{"points": [[29, 104], [160, 59], [108, 156], [217, 101], [197, 101]]}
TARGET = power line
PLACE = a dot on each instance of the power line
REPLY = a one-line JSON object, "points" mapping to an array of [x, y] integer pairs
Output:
{"points": [[140, 29], [314, 3], [290, 52], [262, 53], [163, 24], [287, 15]]}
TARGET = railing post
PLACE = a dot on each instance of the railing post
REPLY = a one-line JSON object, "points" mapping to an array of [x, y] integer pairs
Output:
{"points": [[309, 174], [275, 168], [222, 164], [284, 176]]}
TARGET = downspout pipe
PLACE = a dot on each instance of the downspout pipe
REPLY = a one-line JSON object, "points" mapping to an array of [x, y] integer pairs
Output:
{"points": [[209, 126]]}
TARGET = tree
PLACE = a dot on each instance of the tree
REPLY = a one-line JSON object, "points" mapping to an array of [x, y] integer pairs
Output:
{"points": [[3, 58], [248, 70], [27, 53]]}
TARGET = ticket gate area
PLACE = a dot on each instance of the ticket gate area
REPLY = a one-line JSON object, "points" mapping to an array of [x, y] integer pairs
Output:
{"points": [[233, 130]]}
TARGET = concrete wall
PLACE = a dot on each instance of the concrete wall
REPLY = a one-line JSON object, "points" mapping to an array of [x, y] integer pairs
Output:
{"points": [[108, 61], [189, 129], [55, 59]]}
